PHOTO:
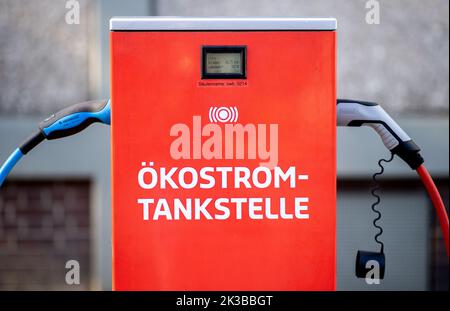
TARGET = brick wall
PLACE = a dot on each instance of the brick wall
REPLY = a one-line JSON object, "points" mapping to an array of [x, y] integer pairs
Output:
{"points": [[43, 224]]}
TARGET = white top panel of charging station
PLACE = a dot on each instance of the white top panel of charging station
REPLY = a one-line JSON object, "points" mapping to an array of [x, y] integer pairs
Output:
{"points": [[220, 23]]}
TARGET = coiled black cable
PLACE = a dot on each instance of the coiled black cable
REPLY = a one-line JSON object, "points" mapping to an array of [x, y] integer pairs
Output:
{"points": [[378, 199]]}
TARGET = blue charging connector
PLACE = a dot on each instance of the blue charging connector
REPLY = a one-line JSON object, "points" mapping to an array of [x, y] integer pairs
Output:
{"points": [[66, 122]]}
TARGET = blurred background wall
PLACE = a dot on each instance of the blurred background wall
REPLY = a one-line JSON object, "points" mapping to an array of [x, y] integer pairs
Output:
{"points": [[56, 205]]}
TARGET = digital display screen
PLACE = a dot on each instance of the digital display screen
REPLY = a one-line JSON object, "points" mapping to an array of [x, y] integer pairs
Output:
{"points": [[225, 63]]}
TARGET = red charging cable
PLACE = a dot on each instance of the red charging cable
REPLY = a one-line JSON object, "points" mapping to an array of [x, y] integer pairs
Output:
{"points": [[437, 201]]}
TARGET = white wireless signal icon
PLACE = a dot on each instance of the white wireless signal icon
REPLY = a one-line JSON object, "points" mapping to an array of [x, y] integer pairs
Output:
{"points": [[223, 114]]}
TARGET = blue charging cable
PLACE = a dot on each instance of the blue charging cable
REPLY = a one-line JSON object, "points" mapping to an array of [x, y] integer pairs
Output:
{"points": [[9, 164]]}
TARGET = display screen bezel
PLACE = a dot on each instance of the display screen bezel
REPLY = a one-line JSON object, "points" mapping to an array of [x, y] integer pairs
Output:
{"points": [[241, 49]]}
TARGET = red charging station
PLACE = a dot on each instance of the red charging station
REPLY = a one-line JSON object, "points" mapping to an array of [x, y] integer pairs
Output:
{"points": [[224, 153]]}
